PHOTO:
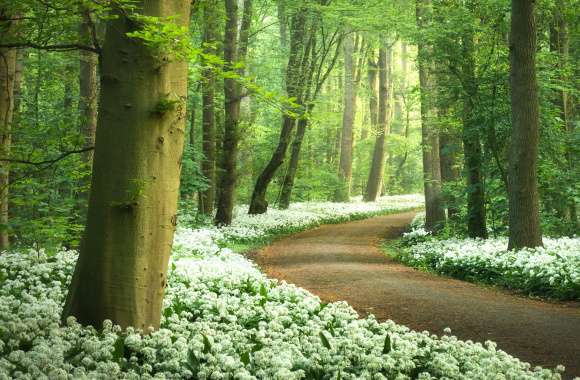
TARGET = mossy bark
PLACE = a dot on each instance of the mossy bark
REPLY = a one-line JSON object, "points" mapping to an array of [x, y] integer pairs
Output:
{"points": [[121, 272]]}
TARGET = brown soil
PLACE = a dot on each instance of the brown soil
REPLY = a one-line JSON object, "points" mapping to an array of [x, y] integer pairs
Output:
{"points": [[343, 262]]}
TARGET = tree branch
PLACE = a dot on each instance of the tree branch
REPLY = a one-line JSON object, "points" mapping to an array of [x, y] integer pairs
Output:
{"points": [[48, 162]]}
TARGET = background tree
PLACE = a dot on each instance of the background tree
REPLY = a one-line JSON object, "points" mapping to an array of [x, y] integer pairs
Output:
{"points": [[524, 215]]}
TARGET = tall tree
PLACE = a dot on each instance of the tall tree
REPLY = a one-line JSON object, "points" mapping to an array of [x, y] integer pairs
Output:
{"points": [[121, 272], [524, 215], [346, 146], [294, 89], [315, 77], [208, 85], [476, 224], [7, 79], [435, 214], [375, 179], [560, 45], [88, 84], [235, 50]]}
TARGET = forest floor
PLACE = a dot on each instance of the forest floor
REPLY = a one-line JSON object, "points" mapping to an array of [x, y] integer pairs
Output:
{"points": [[345, 262]]}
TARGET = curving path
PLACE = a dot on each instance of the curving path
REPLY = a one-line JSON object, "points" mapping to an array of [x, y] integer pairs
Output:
{"points": [[342, 262]]}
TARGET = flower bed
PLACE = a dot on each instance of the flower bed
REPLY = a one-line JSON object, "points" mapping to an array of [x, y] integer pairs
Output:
{"points": [[551, 271], [223, 319]]}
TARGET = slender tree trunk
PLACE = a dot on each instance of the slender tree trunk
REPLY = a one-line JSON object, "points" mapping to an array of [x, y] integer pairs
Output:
{"points": [[7, 81], [476, 224], [449, 147], [206, 198], [258, 203], [372, 70], [524, 215], [121, 272], [560, 45], [290, 176], [375, 179], [235, 49], [435, 214], [342, 193], [282, 23]]}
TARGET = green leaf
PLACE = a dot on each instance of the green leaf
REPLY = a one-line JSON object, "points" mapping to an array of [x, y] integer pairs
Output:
{"points": [[387, 346], [325, 341], [206, 344], [263, 291], [119, 349], [192, 362], [245, 358]]}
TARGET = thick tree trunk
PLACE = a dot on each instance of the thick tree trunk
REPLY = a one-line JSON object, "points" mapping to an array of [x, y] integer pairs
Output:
{"points": [[206, 198], [121, 272], [88, 88], [235, 49], [7, 81], [258, 203], [435, 214], [476, 225], [524, 215], [342, 193], [375, 179]]}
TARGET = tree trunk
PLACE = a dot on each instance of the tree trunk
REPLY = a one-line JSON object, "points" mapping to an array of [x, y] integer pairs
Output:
{"points": [[372, 76], [290, 176], [282, 23], [234, 51], [206, 198], [88, 88], [258, 203], [449, 147], [435, 214], [524, 215], [7, 79], [342, 193], [560, 45], [121, 272], [476, 225], [375, 179]]}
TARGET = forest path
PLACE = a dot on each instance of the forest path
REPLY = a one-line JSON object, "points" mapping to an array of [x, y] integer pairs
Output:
{"points": [[343, 262]]}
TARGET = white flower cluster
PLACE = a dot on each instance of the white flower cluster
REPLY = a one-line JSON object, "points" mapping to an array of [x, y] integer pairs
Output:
{"points": [[552, 270], [223, 319], [300, 216]]}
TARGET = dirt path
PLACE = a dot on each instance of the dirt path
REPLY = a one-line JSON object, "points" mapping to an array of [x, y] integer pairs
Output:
{"points": [[342, 262]]}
